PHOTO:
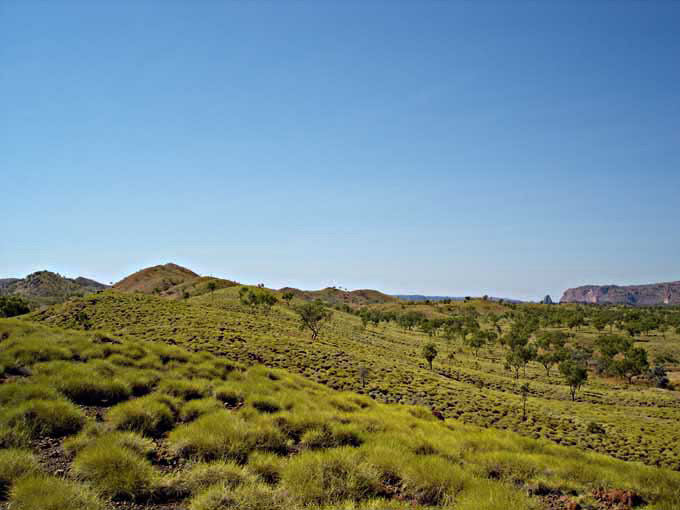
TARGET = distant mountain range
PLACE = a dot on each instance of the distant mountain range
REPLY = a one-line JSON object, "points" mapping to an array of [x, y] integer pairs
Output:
{"points": [[419, 297], [177, 282], [635, 295]]}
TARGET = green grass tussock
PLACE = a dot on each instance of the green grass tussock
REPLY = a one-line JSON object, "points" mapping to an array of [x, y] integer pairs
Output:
{"points": [[41, 492], [230, 396], [252, 496], [87, 384], [151, 415], [185, 389], [14, 464], [116, 471], [101, 432], [196, 408], [331, 476], [53, 418], [203, 475], [18, 392], [222, 435]]}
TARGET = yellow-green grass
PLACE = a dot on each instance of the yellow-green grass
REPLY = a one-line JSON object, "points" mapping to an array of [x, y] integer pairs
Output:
{"points": [[15, 464], [41, 492], [365, 454], [639, 422]]}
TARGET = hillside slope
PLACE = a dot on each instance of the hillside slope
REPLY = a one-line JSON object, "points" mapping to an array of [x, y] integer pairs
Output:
{"points": [[155, 279], [640, 424], [46, 287], [94, 422], [334, 296], [171, 281], [637, 295]]}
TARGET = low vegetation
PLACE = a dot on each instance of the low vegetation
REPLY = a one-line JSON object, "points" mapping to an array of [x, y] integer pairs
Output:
{"points": [[486, 352], [282, 442]]}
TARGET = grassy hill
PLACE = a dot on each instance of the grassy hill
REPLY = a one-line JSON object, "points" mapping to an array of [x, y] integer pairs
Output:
{"points": [[46, 287], [334, 296], [635, 423], [156, 279], [171, 281], [93, 421]]}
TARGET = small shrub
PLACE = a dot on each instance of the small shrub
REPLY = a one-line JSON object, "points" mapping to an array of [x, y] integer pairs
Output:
{"points": [[116, 471], [229, 396], [151, 415], [54, 418], [49, 493], [13, 465]]}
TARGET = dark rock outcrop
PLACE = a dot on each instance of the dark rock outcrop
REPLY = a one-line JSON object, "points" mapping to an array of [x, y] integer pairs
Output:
{"points": [[547, 300], [635, 295]]}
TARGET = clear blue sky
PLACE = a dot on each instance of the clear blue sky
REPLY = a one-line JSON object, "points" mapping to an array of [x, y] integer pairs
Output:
{"points": [[509, 148]]}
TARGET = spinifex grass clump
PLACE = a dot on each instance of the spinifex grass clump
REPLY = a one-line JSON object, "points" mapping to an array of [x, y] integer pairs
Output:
{"points": [[151, 415], [221, 435], [15, 464], [143, 446], [40, 492], [196, 408], [36, 417], [86, 384], [115, 470]]}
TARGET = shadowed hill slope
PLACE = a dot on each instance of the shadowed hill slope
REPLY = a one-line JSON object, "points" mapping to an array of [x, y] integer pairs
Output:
{"points": [[46, 287], [335, 296]]}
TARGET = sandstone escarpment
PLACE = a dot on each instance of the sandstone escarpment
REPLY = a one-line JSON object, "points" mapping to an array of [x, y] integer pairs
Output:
{"points": [[637, 295]]}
